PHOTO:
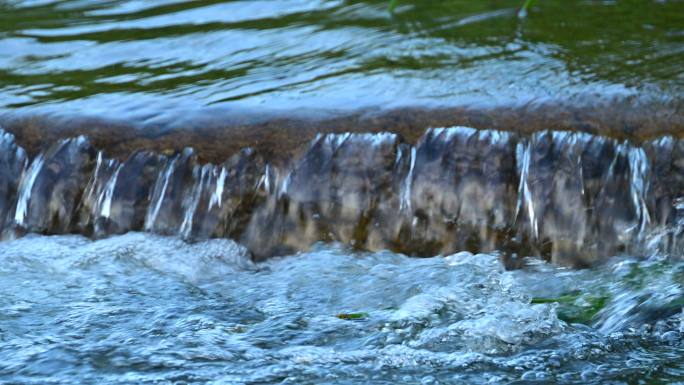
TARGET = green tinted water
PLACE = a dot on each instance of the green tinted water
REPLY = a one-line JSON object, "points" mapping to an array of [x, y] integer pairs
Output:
{"points": [[146, 59]]}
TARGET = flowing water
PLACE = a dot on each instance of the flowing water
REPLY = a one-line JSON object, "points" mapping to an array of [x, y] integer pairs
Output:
{"points": [[140, 308], [431, 255], [156, 61]]}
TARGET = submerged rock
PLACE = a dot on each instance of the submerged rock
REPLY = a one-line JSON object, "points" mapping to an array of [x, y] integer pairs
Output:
{"points": [[98, 193], [223, 197], [332, 193], [52, 187], [570, 197], [667, 191], [552, 210], [12, 163], [462, 192], [124, 196], [165, 213]]}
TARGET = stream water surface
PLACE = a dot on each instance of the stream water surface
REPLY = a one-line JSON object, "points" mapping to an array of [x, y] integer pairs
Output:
{"points": [[156, 61], [87, 297], [140, 308]]}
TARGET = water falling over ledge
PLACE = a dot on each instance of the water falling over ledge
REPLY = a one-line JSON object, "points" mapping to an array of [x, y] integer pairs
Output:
{"points": [[573, 198]]}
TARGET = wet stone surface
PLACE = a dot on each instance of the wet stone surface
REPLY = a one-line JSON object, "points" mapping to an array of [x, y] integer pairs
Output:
{"points": [[573, 198], [52, 187], [13, 160]]}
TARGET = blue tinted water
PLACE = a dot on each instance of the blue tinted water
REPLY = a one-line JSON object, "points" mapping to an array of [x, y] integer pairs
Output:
{"points": [[140, 308]]}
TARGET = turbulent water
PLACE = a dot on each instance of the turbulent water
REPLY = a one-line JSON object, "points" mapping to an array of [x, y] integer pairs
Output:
{"points": [[140, 308], [285, 251], [144, 308]]}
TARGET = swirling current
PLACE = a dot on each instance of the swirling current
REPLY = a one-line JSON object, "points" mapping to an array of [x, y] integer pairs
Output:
{"points": [[140, 308]]}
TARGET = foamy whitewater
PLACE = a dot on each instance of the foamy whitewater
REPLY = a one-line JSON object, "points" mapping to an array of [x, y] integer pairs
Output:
{"points": [[142, 308]]}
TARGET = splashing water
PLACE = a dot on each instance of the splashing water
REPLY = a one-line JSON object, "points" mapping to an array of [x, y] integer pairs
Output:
{"points": [[144, 308]]}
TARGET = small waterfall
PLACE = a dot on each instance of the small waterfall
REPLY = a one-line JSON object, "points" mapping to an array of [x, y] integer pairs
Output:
{"points": [[525, 201], [159, 193], [335, 191], [574, 198], [52, 188], [551, 207], [206, 180], [171, 193], [408, 182], [105, 200], [618, 213], [463, 193], [217, 195], [13, 161], [127, 194], [266, 179], [639, 187], [663, 184], [187, 199], [26, 188], [664, 188], [92, 189], [96, 190]]}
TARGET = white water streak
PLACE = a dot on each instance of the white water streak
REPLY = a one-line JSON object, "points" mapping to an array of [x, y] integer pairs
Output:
{"points": [[639, 171], [105, 200], [203, 178], [93, 180], [26, 188], [408, 183], [186, 226], [523, 151], [217, 196], [159, 192], [267, 179]]}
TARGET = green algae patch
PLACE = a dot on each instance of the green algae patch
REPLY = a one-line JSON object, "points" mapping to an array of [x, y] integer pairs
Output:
{"points": [[352, 316], [575, 307]]}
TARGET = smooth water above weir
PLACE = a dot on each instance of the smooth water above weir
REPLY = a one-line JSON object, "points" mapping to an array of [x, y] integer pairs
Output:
{"points": [[573, 198], [171, 62]]}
